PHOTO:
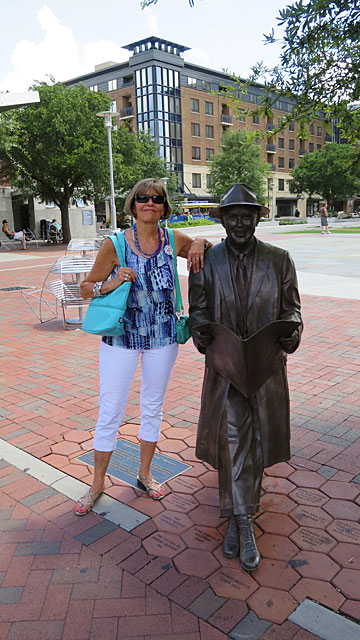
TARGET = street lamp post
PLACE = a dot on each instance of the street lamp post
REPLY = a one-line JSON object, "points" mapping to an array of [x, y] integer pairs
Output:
{"points": [[108, 115], [165, 180]]}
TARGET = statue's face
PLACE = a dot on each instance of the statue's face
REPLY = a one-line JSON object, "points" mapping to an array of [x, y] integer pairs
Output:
{"points": [[240, 223]]}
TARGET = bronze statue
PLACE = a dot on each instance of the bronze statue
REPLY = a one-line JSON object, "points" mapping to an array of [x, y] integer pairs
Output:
{"points": [[245, 317]]}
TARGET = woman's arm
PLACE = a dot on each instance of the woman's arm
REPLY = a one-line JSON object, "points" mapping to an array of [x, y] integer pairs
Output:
{"points": [[192, 249], [106, 261]]}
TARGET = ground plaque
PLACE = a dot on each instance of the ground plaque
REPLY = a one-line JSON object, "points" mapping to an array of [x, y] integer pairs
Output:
{"points": [[125, 461]]}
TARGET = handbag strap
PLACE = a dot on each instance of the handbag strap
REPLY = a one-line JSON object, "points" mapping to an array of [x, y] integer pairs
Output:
{"points": [[179, 303], [119, 244]]}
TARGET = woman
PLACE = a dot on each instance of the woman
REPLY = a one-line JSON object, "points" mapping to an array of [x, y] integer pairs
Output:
{"points": [[149, 329]]}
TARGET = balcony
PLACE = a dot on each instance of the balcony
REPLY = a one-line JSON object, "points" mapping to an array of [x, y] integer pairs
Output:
{"points": [[270, 148], [226, 119], [126, 113]]}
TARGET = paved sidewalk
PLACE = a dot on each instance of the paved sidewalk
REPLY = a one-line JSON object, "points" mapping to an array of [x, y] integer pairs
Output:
{"points": [[64, 577]]}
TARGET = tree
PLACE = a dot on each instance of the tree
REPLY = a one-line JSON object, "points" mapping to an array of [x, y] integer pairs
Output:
{"points": [[333, 172], [57, 150], [147, 3], [239, 161], [319, 65]]}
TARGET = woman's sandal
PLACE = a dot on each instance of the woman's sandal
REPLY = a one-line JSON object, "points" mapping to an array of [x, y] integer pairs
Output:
{"points": [[86, 503], [155, 490]]}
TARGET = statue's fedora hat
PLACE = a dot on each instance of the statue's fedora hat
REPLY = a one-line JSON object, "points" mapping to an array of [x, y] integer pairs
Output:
{"points": [[238, 194]]}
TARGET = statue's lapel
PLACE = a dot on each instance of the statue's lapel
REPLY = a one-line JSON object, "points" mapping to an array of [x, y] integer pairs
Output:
{"points": [[223, 269], [261, 262]]}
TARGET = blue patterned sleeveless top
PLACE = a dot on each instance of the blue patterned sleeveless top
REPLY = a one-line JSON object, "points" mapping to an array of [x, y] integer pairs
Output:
{"points": [[149, 321]]}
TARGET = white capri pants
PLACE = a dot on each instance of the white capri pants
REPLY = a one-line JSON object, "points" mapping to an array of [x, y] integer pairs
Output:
{"points": [[18, 235], [117, 367]]}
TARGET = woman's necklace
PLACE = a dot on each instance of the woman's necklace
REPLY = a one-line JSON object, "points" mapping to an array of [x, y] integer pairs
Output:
{"points": [[137, 244]]}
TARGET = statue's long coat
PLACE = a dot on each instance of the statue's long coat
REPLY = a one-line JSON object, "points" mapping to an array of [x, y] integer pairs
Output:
{"points": [[273, 295]]}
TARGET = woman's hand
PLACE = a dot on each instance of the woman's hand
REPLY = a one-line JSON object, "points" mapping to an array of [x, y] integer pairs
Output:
{"points": [[123, 274], [195, 257]]}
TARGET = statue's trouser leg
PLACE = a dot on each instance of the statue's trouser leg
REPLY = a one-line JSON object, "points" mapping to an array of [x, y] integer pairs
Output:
{"points": [[240, 457]]}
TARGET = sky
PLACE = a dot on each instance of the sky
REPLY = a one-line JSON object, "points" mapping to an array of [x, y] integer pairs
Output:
{"points": [[67, 38]]}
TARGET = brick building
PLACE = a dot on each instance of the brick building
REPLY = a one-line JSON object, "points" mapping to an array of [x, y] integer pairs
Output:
{"points": [[177, 101]]}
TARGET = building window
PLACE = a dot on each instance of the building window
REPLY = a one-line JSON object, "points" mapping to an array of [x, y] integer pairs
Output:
{"points": [[195, 129], [281, 162], [319, 131], [194, 105], [113, 106], [311, 129], [311, 146], [94, 87], [255, 119], [112, 85], [209, 154], [196, 180], [281, 184], [292, 125], [209, 131], [191, 82], [195, 153], [209, 181], [281, 143], [241, 116], [205, 86], [291, 163], [209, 108], [291, 144], [318, 146]]}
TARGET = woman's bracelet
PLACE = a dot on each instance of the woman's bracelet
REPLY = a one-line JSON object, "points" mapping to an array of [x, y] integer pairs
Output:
{"points": [[97, 289]]}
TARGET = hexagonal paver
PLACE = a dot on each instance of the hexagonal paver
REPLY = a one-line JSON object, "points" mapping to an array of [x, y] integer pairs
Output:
{"points": [[163, 544], [308, 479], [342, 490], [276, 547], [311, 497], [351, 608], [277, 485], [76, 435], [193, 562], [347, 555], [276, 574], [205, 538], [233, 583], [210, 479], [311, 517], [171, 446], [318, 590], [172, 522], [207, 516], [280, 470], [65, 448], [310, 564], [345, 531], [310, 539], [184, 484], [179, 502], [277, 523], [209, 496], [348, 581], [344, 509], [272, 604], [277, 503]]}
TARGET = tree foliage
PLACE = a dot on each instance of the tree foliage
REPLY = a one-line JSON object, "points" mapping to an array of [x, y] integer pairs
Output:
{"points": [[56, 150], [135, 156], [319, 65], [333, 172], [239, 161], [147, 3]]}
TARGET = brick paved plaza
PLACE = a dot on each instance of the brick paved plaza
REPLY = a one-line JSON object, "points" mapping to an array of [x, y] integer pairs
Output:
{"points": [[70, 578]]}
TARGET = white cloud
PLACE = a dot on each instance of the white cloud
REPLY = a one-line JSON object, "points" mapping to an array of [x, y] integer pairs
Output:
{"points": [[57, 54]]}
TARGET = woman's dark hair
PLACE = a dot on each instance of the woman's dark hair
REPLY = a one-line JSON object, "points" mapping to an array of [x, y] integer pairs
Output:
{"points": [[142, 187]]}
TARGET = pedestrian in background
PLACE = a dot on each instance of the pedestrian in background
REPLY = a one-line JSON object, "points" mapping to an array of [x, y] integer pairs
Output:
{"points": [[323, 212]]}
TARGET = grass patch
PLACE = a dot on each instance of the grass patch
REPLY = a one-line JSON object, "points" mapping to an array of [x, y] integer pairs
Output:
{"points": [[347, 230]]}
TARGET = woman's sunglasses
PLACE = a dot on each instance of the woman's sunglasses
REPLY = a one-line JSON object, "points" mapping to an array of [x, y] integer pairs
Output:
{"points": [[141, 198]]}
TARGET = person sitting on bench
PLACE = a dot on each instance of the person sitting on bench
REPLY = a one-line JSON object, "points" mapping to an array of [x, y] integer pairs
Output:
{"points": [[14, 235]]}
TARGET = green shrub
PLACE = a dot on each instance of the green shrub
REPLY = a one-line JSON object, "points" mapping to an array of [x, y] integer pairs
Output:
{"points": [[290, 221], [192, 223]]}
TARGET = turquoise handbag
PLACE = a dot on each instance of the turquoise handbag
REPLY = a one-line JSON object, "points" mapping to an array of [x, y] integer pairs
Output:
{"points": [[104, 316], [182, 327]]}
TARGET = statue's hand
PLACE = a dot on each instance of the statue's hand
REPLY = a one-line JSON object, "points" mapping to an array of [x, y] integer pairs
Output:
{"points": [[288, 344], [203, 340]]}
